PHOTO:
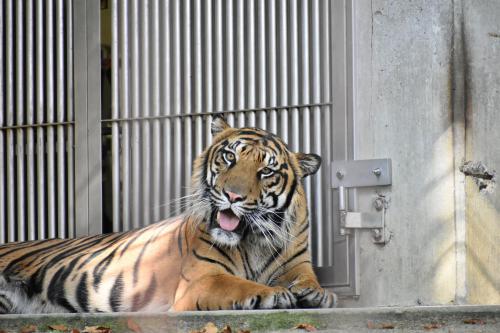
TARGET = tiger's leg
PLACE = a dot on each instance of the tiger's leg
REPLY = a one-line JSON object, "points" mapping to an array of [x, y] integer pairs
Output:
{"points": [[228, 292], [304, 285]]}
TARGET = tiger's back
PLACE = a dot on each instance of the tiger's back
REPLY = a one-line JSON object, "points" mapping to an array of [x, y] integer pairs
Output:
{"points": [[103, 273]]}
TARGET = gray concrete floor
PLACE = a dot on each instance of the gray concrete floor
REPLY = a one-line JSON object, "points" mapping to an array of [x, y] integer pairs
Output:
{"points": [[383, 319]]}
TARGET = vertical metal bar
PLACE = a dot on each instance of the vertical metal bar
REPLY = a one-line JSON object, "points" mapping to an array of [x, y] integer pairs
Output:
{"points": [[218, 50], [3, 171], [70, 165], [115, 131], [240, 60], [177, 92], [146, 128], [81, 113], [317, 208], [294, 74], [306, 117], [186, 27], [208, 68], [30, 111], [40, 104], [251, 60], [198, 78], [136, 194], [60, 108], [167, 104], [283, 68], [229, 61], [9, 83], [21, 226], [326, 137], [261, 62], [272, 78], [50, 112], [125, 112], [155, 106], [94, 116]]}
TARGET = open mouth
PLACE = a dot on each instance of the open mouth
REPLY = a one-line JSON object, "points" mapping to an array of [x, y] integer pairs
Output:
{"points": [[228, 220]]}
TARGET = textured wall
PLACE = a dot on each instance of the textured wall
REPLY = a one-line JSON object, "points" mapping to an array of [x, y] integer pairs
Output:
{"points": [[482, 72], [403, 111], [427, 95]]}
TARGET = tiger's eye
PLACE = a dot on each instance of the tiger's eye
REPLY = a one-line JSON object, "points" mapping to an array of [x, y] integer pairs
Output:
{"points": [[266, 171], [229, 157]]}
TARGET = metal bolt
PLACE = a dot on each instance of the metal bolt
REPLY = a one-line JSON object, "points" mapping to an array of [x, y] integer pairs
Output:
{"points": [[339, 174], [377, 172]]}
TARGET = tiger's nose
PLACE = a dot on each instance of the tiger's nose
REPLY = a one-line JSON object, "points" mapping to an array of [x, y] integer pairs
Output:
{"points": [[233, 196]]}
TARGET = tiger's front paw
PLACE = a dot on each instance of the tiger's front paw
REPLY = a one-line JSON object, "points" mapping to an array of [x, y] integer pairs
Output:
{"points": [[272, 298], [313, 296]]}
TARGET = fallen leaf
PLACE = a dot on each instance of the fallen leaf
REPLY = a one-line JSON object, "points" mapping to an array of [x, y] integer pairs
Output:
{"points": [[226, 329], [305, 326], [28, 329], [61, 328], [243, 331], [3, 331], [133, 326], [387, 326], [474, 321], [432, 326], [96, 329], [74, 330], [210, 328]]}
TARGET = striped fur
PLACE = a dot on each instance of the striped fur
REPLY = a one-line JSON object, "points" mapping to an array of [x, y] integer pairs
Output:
{"points": [[241, 244]]}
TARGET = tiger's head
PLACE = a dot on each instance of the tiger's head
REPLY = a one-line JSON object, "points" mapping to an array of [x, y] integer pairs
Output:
{"points": [[250, 185]]}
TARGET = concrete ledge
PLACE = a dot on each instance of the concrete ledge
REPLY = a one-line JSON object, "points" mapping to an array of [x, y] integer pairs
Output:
{"points": [[390, 319]]}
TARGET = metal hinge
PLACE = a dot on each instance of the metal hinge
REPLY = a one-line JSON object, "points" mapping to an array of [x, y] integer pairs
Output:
{"points": [[362, 173]]}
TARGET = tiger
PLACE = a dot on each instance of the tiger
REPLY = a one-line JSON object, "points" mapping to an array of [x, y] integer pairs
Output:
{"points": [[241, 244]]}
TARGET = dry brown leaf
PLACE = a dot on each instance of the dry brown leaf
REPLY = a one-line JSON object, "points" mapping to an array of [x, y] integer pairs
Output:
{"points": [[305, 326], [387, 326], [96, 329], [210, 328], [432, 326], [28, 329], [474, 321], [226, 329], [133, 326], [2, 331], [61, 328], [243, 331], [75, 330]]}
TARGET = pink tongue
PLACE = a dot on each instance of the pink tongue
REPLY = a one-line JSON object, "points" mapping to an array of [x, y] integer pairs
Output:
{"points": [[228, 221]]}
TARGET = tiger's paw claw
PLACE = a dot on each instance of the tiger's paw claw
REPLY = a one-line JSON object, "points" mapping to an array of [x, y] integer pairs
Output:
{"points": [[278, 298], [313, 296]]}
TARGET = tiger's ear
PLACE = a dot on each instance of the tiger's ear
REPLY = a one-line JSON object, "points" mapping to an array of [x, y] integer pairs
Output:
{"points": [[309, 163], [219, 124]]}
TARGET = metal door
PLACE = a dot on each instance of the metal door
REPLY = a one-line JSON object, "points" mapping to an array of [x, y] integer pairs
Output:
{"points": [[131, 134], [36, 120]]}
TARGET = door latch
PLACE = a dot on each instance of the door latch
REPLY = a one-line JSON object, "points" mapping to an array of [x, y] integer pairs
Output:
{"points": [[362, 173]]}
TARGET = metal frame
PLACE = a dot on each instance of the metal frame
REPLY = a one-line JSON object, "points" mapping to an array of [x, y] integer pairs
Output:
{"points": [[343, 92], [87, 80]]}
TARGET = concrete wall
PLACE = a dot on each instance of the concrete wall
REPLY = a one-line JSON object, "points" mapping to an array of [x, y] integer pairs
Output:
{"points": [[410, 81], [482, 73]]}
